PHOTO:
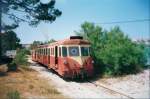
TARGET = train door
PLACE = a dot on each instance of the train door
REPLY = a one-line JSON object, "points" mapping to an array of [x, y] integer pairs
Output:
{"points": [[35, 54], [56, 55]]}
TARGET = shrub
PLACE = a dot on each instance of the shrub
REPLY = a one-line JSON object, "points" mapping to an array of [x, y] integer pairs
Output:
{"points": [[12, 66], [120, 55], [21, 58], [113, 52], [27, 52], [13, 95]]}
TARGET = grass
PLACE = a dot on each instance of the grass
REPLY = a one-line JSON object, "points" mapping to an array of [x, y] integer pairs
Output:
{"points": [[13, 95], [26, 84]]}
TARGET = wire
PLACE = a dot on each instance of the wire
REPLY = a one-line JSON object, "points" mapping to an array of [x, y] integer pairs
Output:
{"points": [[129, 21]]}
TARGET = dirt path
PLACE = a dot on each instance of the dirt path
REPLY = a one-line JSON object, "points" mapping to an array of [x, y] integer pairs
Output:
{"points": [[75, 89]]}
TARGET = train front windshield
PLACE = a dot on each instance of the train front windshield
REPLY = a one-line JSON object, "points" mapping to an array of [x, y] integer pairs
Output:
{"points": [[75, 51]]}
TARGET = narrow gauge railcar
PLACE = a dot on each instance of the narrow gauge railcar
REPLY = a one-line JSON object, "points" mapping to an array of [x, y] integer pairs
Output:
{"points": [[70, 58]]}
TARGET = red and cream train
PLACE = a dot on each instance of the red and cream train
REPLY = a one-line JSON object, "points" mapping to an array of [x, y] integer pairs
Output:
{"points": [[70, 58]]}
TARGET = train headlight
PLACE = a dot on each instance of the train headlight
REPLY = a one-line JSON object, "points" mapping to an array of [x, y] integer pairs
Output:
{"points": [[65, 62], [92, 61]]}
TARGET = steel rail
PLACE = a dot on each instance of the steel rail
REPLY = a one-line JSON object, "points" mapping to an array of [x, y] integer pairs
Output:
{"points": [[111, 89]]}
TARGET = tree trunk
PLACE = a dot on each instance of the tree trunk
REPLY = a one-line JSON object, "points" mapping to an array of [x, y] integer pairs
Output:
{"points": [[0, 29]]}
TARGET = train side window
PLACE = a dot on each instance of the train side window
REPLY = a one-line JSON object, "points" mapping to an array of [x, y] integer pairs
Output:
{"points": [[60, 51], [51, 51], [43, 51], [46, 51], [64, 51]]}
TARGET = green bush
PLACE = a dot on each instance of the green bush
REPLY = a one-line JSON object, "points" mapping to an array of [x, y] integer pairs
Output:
{"points": [[13, 95], [27, 52], [120, 55], [21, 58], [113, 52]]}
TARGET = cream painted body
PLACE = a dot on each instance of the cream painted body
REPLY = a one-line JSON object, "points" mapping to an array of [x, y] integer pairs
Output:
{"points": [[80, 59]]}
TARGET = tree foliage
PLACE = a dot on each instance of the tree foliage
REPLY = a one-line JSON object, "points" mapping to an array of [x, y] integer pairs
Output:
{"points": [[51, 41], [113, 52], [36, 43], [10, 41], [34, 11], [30, 11]]}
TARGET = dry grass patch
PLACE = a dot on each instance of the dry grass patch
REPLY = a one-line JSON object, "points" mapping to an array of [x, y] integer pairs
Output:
{"points": [[3, 69], [28, 84]]}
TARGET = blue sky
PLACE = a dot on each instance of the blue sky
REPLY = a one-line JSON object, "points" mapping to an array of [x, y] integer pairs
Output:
{"points": [[75, 12]]}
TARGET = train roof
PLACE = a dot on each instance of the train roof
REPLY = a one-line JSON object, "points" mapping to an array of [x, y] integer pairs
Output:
{"points": [[73, 40]]}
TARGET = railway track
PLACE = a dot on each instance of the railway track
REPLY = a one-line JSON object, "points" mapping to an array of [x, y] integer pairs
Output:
{"points": [[103, 86]]}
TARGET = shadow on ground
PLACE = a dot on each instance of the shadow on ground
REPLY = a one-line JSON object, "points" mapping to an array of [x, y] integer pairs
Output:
{"points": [[3, 74]]}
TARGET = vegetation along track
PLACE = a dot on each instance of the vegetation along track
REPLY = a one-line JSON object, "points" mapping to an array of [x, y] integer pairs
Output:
{"points": [[103, 86]]}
